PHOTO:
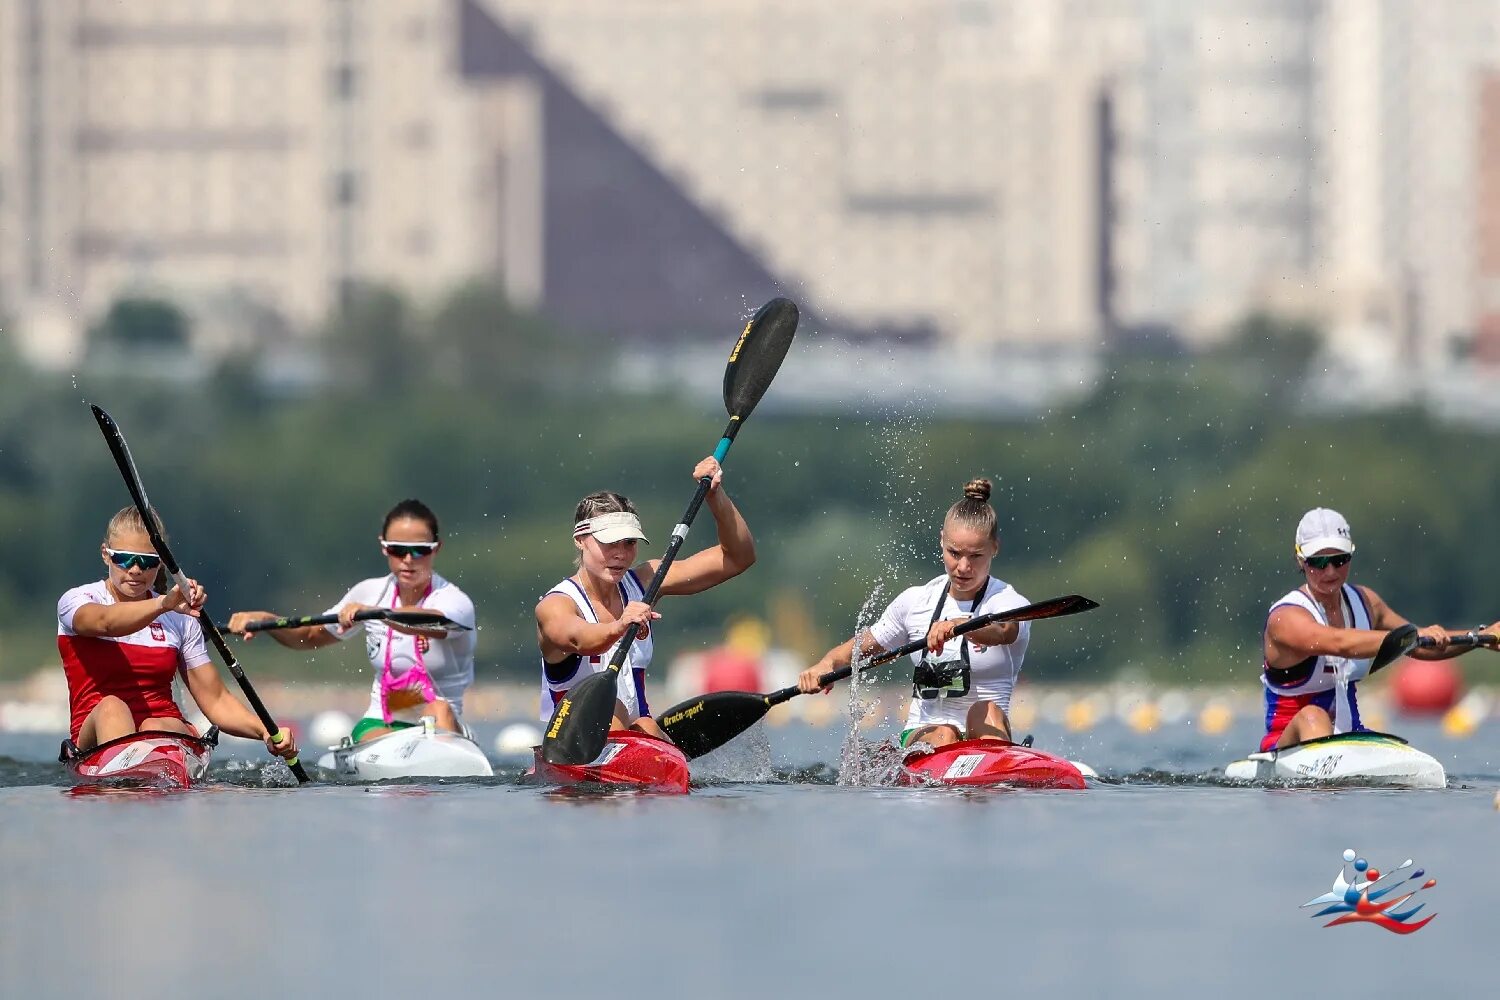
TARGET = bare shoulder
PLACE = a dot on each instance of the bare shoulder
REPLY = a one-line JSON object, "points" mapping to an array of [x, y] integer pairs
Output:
{"points": [[556, 605]]}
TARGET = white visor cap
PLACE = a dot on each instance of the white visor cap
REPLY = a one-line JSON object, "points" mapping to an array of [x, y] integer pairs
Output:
{"points": [[612, 527]]}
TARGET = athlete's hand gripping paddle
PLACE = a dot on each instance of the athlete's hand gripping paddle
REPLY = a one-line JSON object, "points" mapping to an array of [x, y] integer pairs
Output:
{"points": [[707, 722], [579, 727], [126, 465]]}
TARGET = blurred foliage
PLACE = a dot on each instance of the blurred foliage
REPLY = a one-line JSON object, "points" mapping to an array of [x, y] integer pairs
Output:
{"points": [[134, 324], [1170, 495]]}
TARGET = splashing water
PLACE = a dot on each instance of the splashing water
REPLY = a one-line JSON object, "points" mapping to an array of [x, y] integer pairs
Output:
{"points": [[745, 758]]}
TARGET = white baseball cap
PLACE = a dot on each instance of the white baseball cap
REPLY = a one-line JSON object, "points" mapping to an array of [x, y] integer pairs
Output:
{"points": [[1321, 528], [612, 527]]}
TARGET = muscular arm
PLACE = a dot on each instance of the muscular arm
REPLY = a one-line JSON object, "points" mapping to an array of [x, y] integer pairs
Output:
{"points": [[220, 707], [1293, 634], [999, 634], [1384, 616], [734, 554], [112, 621], [306, 637], [562, 631]]}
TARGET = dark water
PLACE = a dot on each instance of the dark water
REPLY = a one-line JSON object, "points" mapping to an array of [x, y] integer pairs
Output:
{"points": [[1156, 878]]}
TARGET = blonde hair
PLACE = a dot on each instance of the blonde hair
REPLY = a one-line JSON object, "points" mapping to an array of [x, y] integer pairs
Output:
{"points": [[603, 502], [974, 510], [129, 519]]}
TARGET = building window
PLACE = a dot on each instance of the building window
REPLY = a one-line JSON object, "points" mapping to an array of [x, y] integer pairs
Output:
{"points": [[345, 188], [345, 81]]}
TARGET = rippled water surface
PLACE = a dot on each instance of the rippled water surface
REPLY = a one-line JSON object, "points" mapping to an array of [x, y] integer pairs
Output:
{"points": [[768, 880]]}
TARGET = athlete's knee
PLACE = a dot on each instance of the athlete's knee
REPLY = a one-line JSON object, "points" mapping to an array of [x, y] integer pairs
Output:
{"points": [[167, 724], [114, 710]]}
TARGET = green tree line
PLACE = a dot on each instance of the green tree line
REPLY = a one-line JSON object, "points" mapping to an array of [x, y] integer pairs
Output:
{"points": [[1169, 495]]}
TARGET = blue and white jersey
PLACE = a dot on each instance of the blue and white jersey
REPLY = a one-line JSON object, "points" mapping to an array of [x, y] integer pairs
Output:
{"points": [[559, 678]]}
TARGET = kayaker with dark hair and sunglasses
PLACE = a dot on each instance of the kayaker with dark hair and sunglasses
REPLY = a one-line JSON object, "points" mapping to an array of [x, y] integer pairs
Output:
{"points": [[582, 619], [1320, 639], [418, 671], [961, 688], [124, 638]]}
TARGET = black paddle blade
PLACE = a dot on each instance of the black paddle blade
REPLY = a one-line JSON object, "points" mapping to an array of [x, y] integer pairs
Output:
{"points": [[1055, 608], [757, 356], [1396, 644], [580, 722], [699, 725]]}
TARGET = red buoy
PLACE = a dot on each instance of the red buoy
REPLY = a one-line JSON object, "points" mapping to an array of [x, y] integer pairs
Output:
{"points": [[1426, 687]]}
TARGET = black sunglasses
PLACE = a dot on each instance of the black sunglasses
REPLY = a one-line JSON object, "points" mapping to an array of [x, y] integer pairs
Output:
{"points": [[400, 550], [1323, 562]]}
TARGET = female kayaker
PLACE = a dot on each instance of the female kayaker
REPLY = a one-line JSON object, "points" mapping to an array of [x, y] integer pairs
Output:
{"points": [[581, 620], [122, 642], [1320, 638], [418, 671], [961, 689]]}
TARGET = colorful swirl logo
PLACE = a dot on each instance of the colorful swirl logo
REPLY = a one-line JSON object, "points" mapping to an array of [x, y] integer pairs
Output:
{"points": [[1359, 899]]}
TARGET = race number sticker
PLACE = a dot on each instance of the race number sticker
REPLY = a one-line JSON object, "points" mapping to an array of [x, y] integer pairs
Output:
{"points": [[963, 765], [611, 751]]}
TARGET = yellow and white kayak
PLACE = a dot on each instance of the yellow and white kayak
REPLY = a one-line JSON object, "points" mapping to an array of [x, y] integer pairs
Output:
{"points": [[1365, 758]]}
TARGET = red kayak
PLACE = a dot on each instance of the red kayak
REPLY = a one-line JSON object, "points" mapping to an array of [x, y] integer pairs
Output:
{"points": [[629, 758], [150, 758], [990, 762]]}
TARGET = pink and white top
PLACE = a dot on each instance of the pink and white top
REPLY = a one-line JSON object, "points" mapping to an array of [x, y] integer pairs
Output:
{"points": [[438, 668]]}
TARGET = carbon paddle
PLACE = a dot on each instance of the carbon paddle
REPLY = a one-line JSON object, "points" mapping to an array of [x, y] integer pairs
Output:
{"points": [[121, 451], [579, 726], [1468, 640], [1396, 644], [706, 723], [414, 619]]}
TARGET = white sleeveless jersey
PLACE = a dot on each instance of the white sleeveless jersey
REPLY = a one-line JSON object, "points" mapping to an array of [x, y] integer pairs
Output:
{"points": [[1329, 673], [449, 661], [993, 670], [631, 688]]}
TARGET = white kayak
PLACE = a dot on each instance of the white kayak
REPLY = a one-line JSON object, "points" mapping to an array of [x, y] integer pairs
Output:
{"points": [[422, 751], [1368, 758]]}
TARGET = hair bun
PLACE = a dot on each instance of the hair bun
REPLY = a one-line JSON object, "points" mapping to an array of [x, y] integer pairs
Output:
{"points": [[977, 489]]}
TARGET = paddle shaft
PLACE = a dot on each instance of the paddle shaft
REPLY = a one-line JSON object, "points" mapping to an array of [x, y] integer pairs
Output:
{"points": [[785, 694], [679, 535], [413, 619], [126, 465], [1469, 640]]}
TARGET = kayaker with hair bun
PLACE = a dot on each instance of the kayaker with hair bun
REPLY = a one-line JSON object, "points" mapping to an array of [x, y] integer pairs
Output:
{"points": [[1319, 639], [961, 689], [581, 620], [418, 671], [122, 642]]}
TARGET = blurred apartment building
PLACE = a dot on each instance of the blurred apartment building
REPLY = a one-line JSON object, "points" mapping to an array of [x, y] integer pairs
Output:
{"points": [[1000, 175], [250, 158]]}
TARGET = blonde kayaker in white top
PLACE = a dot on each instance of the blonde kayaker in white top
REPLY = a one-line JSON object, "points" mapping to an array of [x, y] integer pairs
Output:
{"points": [[581, 620], [418, 671], [961, 688]]}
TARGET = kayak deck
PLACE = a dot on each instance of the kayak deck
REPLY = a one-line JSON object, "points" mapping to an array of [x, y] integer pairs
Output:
{"points": [[990, 762], [629, 758], [152, 758], [1367, 757], [417, 752]]}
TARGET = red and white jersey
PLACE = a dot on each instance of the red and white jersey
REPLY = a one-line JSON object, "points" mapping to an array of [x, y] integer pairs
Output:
{"points": [[136, 668]]}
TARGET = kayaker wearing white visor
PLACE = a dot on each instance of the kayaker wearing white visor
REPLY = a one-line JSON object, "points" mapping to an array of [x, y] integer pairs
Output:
{"points": [[581, 620], [1320, 639], [418, 671], [961, 689]]}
